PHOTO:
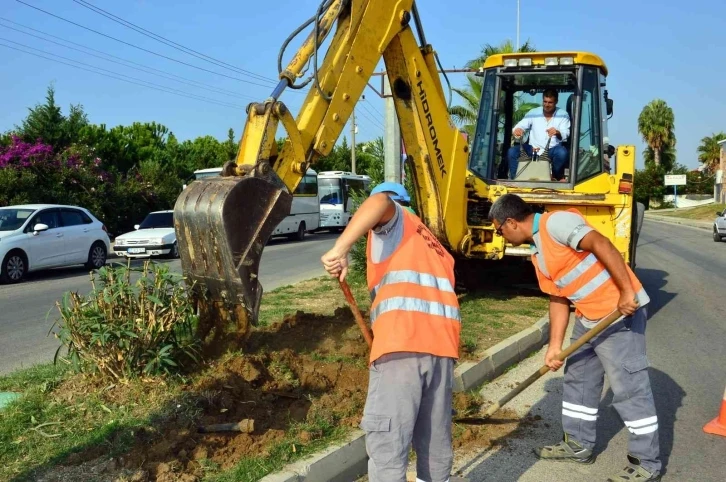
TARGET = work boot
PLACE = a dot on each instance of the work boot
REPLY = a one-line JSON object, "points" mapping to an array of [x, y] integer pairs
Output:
{"points": [[634, 472], [568, 450]]}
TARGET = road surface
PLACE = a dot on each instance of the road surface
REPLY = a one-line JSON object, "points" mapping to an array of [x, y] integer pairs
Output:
{"points": [[27, 310], [684, 272]]}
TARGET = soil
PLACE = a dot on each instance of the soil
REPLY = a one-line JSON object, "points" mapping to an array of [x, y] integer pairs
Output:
{"points": [[303, 369]]}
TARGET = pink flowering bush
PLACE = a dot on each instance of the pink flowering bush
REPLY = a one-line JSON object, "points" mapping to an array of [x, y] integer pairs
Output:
{"points": [[32, 173]]}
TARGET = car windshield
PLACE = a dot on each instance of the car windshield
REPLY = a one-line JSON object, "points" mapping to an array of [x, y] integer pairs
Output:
{"points": [[158, 220], [12, 219]]}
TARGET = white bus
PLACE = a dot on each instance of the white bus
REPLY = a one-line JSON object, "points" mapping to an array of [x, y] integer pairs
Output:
{"points": [[335, 197], [304, 214]]}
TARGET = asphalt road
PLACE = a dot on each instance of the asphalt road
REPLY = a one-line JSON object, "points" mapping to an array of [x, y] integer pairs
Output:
{"points": [[27, 310], [684, 272]]}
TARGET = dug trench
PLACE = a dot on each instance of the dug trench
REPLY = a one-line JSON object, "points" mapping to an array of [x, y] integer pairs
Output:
{"points": [[302, 381]]}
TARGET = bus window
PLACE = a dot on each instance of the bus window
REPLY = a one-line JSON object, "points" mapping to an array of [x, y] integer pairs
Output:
{"points": [[308, 186], [330, 191]]}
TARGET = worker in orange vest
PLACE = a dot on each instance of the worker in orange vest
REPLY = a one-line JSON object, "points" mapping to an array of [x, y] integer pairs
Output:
{"points": [[574, 263], [416, 324]]}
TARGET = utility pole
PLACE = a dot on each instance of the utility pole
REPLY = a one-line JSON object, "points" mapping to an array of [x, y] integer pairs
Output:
{"points": [[517, 25], [352, 148], [392, 138]]}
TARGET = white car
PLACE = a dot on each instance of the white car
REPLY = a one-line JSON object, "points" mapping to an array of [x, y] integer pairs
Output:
{"points": [[719, 226], [155, 236], [38, 236]]}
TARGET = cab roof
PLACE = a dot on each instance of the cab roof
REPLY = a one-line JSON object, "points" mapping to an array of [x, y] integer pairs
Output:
{"points": [[538, 58]]}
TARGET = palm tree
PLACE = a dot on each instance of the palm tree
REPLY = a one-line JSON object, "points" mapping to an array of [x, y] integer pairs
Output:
{"points": [[667, 158], [506, 47], [710, 151], [465, 115], [656, 123]]}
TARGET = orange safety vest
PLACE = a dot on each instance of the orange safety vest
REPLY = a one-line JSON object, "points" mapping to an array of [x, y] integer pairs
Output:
{"points": [[415, 308], [577, 276]]}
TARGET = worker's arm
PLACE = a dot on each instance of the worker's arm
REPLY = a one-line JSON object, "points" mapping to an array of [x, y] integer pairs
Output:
{"points": [[377, 210], [559, 318], [609, 256]]}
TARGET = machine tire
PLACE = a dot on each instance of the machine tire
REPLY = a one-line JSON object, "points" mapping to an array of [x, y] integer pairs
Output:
{"points": [[635, 225], [97, 256], [19, 261]]}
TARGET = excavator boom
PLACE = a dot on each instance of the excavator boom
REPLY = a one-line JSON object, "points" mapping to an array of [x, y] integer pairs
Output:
{"points": [[223, 223]]}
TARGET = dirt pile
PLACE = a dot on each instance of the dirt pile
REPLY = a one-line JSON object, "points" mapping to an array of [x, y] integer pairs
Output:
{"points": [[296, 378]]}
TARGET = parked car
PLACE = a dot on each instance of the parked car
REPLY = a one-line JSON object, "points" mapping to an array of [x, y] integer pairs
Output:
{"points": [[39, 236], [719, 226], [155, 236]]}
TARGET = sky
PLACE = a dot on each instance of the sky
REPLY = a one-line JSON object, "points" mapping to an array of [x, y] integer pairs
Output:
{"points": [[666, 49]]}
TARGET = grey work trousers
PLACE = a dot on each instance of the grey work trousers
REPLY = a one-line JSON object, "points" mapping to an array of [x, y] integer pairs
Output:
{"points": [[409, 401], [619, 352]]}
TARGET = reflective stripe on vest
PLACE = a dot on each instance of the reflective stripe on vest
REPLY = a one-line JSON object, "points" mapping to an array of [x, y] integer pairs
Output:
{"points": [[410, 276], [589, 287], [415, 304], [577, 271]]}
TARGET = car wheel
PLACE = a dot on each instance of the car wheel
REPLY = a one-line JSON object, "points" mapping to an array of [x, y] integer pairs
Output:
{"points": [[716, 236], [174, 251], [14, 268], [96, 256]]}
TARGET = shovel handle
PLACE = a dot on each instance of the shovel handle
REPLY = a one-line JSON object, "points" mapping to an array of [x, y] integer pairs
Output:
{"points": [[604, 323], [356, 312]]}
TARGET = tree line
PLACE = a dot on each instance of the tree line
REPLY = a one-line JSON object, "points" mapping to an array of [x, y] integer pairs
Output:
{"points": [[124, 172], [656, 125]]}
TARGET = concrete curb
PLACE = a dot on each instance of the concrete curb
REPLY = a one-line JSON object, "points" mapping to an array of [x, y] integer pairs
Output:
{"points": [[338, 463], [349, 460], [504, 354], [707, 225]]}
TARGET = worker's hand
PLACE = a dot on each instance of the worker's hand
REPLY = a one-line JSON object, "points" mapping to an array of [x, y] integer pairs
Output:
{"points": [[518, 132], [552, 131], [551, 358], [335, 262], [627, 304]]}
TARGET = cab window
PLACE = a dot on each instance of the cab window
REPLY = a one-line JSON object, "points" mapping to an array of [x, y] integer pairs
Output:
{"points": [[589, 159]]}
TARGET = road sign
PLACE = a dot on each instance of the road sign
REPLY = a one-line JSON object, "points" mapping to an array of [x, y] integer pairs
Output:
{"points": [[675, 179]]}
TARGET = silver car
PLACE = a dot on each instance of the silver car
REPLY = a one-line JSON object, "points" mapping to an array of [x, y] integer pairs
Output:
{"points": [[719, 226]]}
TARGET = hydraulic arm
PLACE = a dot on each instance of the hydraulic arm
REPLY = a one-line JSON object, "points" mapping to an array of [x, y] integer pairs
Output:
{"points": [[224, 223]]}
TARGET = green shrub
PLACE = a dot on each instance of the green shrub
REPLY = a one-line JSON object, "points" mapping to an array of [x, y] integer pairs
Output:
{"points": [[123, 330]]}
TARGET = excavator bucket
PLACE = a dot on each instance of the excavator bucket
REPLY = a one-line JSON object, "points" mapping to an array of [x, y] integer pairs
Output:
{"points": [[222, 225]]}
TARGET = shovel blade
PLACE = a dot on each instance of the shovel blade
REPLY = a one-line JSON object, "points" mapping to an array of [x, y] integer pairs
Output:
{"points": [[222, 225]]}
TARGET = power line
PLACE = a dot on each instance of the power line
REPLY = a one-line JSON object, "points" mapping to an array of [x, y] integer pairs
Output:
{"points": [[141, 68], [169, 42], [136, 81], [141, 48], [372, 106], [371, 113]]}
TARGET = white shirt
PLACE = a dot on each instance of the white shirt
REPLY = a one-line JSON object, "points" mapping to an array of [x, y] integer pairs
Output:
{"points": [[537, 124]]}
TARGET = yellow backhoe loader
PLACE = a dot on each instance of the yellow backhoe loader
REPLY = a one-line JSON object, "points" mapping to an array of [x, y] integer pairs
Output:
{"points": [[224, 223]]}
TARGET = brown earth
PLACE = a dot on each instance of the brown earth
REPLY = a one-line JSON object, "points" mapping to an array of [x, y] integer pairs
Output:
{"points": [[303, 369]]}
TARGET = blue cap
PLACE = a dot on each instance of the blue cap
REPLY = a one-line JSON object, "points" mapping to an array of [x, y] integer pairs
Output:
{"points": [[399, 192]]}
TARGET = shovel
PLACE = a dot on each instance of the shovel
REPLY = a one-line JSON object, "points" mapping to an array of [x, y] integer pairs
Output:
{"points": [[356, 313], [604, 323]]}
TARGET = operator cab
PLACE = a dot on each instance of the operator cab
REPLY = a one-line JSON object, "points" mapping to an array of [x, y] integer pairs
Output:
{"points": [[514, 84]]}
